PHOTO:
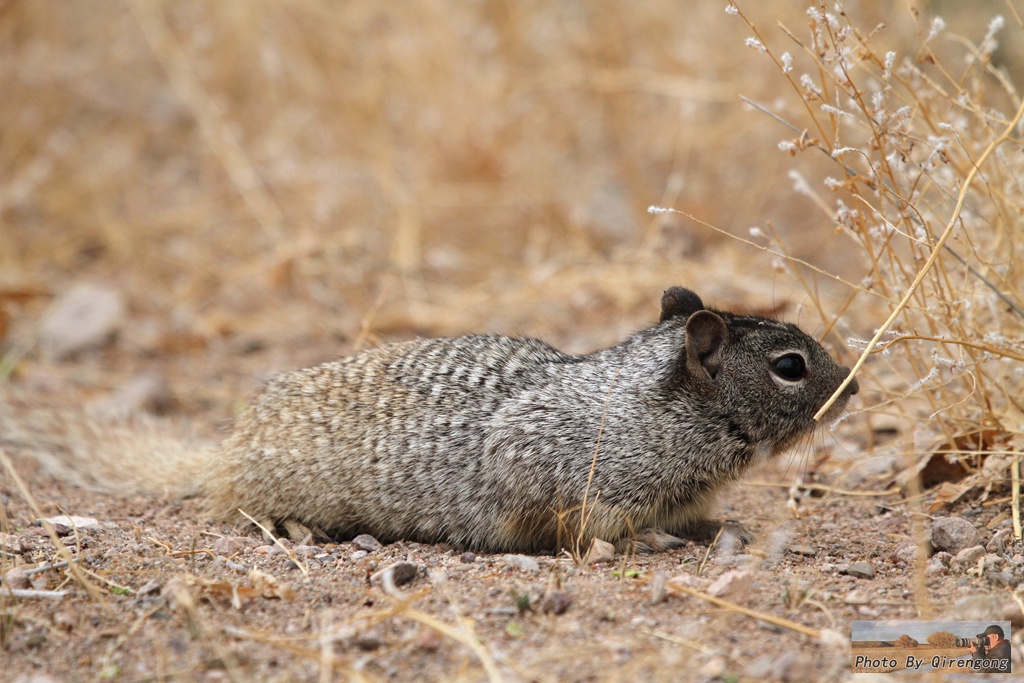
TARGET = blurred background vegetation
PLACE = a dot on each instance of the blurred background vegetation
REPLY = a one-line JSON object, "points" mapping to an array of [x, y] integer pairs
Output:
{"points": [[332, 173]]}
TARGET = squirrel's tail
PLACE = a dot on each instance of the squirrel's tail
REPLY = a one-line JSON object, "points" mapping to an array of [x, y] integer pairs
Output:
{"points": [[123, 455]]}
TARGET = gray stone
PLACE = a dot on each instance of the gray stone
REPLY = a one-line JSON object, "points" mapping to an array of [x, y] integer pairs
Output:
{"points": [[599, 551], [804, 550], [84, 317], [861, 570], [953, 534], [10, 543], [906, 551], [1006, 579], [366, 542], [527, 564], [934, 568], [227, 546], [71, 522], [733, 585], [1000, 540], [555, 602], [968, 557], [399, 573]]}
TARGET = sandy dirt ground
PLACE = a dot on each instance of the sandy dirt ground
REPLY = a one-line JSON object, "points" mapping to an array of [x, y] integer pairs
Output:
{"points": [[178, 597]]}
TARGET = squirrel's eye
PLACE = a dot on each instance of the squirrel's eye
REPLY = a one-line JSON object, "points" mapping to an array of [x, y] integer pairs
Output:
{"points": [[790, 367]]}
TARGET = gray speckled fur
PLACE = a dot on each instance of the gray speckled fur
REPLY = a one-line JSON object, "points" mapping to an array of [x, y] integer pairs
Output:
{"points": [[488, 441]]}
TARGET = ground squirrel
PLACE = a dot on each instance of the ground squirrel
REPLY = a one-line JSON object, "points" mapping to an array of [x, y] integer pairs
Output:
{"points": [[488, 442]]}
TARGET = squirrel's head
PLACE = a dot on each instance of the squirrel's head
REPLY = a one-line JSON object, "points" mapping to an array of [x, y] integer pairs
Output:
{"points": [[763, 378]]}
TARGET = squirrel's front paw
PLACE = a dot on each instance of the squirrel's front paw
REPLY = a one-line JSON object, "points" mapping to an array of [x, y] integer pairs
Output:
{"points": [[652, 540], [730, 533]]}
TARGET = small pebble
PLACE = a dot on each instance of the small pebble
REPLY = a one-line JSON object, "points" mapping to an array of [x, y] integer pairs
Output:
{"points": [[73, 522], [835, 639], [860, 570], [83, 317], [65, 621], [555, 602], [934, 568], [527, 564], [968, 557], [734, 585], [401, 573], [658, 590], [686, 581], [906, 551], [599, 551], [268, 550], [227, 546], [758, 668], [1001, 579], [996, 545], [368, 641], [10, 544], [17, 578], [366, 542], [805, 550], [467, 558], [714, 668], [953, 534], [428, 640]]}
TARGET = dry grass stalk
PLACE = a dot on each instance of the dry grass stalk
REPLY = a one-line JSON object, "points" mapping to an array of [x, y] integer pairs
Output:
{"points": [[62, 551], [287, 551], [910, 136], [933, 258], [740, 609], [579, 548]]}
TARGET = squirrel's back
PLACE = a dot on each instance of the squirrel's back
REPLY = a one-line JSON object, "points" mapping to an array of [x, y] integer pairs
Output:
{"points": [[389, 441]]}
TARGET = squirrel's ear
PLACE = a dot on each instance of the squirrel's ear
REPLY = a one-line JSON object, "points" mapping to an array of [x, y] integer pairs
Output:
{"points": [[706, 332], [677, 301]]}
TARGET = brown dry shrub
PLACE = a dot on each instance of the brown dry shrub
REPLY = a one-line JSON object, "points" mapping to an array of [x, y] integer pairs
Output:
{"points": [[942, 639], [924, 181], [905, 641]]}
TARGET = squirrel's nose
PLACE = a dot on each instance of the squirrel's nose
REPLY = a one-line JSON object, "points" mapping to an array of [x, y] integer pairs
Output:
{"points": [[854, 386]]}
